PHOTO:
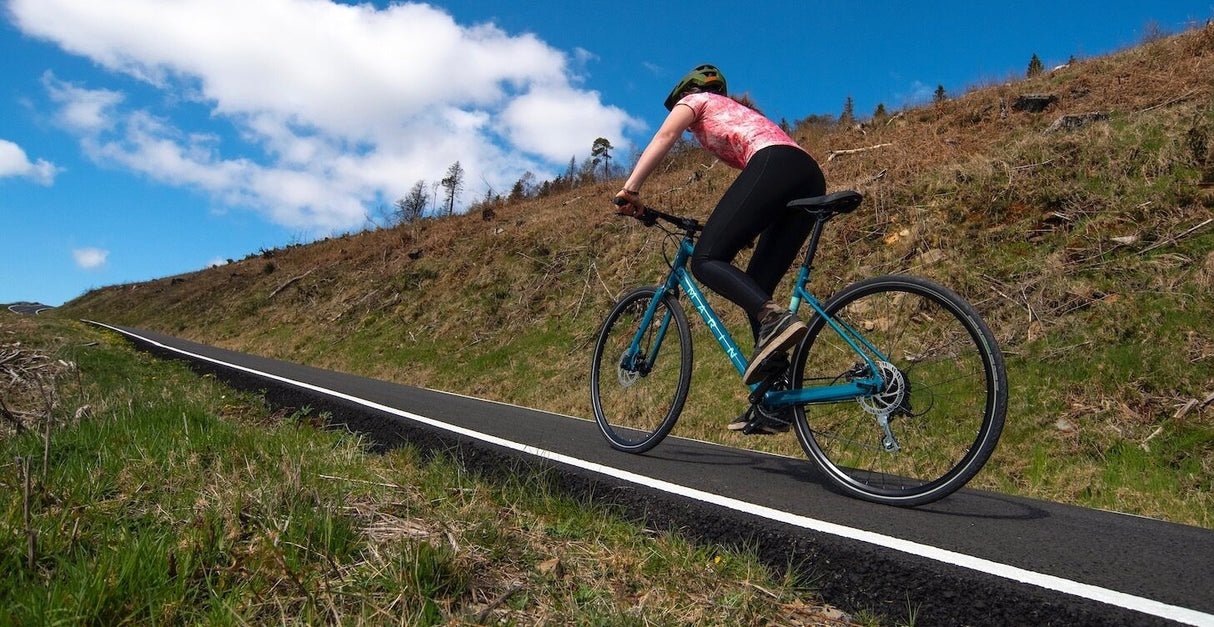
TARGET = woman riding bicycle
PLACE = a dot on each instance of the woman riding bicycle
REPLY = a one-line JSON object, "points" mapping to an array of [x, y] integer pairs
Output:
{"points": [[775, 170]]}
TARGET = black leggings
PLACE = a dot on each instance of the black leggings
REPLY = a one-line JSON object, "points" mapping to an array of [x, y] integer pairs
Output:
{"points": [[754, 206]]}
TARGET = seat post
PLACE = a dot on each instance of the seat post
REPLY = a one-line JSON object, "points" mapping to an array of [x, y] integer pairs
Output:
{"points": [[819, 220]]}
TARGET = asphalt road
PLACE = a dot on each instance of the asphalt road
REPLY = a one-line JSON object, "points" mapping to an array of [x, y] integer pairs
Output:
{"points": [[973, 558], [31, 309]]}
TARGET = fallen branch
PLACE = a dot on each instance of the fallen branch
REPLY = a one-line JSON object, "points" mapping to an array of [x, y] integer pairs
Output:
{"points": [[606, 290], [1170, 102], [585, 288], [1181, 412], [1031, 165], [289, 283], [363, 481], [1175, 238], [830, 156], [511, 591], [351, 307], [1064, 349]]}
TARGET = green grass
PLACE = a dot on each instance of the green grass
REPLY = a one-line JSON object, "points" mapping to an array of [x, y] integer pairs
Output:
{"points": [[174, 499]]}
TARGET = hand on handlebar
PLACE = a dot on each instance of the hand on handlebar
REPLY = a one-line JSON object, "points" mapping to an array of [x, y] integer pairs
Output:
{"points": [[628, 204]]}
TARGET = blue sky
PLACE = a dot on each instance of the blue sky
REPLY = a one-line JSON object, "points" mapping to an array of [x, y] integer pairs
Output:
{"points": [[141, 138]]}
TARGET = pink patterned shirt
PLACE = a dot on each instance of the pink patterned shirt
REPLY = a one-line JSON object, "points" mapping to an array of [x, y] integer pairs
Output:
{"points": [[732, 131]]}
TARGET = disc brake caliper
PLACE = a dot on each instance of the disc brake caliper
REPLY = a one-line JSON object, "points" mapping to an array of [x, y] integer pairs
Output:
{"points": [[884, 404]]}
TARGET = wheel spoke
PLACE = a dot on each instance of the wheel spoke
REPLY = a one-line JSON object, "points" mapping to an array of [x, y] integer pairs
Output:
{"points": [[945, 391], [638, 393]]}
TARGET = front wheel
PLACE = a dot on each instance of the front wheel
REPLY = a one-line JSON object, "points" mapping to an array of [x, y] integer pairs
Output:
{"points": [[936, 420], [641, 370]]}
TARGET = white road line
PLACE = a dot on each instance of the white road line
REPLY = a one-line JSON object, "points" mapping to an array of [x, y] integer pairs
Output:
{"points": [[1042, 580], [36, 311]]}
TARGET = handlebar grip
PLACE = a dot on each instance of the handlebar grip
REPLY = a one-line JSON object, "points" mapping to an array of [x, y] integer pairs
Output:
{"points": [[645, 215]]}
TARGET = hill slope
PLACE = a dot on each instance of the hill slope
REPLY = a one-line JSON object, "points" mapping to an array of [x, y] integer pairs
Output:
{"points": [[1089, 250]]}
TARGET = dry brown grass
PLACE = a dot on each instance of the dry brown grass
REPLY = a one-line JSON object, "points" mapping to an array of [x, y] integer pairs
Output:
{"points": [[30, 379]]}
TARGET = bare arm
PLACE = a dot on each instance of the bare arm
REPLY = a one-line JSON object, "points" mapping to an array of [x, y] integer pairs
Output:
{"points": [[672, 128]]}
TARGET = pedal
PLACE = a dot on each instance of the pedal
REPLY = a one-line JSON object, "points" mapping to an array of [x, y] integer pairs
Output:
{"points": [[761, 424], [752, 427], [771, 368], [754, 423]]}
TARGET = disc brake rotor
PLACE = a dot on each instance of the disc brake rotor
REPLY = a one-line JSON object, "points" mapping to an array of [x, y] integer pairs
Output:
{"points": [[891, 396], [625, 372]]}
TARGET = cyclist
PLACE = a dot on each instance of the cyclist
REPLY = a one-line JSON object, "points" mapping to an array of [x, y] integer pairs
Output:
{"points": [[774, 171]]}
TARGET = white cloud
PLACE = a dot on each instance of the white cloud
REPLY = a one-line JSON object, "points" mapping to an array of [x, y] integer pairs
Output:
{"points": [[917, 94], [548, 121], [14, 162], [90, 258], [333, 106], [81, 110], [653, 68]]}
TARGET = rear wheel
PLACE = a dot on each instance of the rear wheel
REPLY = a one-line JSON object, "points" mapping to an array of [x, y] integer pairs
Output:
{"points": [[941, 411], [638, 389]]}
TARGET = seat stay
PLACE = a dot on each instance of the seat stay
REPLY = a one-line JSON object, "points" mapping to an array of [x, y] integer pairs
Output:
{"points": [[852, 337]]}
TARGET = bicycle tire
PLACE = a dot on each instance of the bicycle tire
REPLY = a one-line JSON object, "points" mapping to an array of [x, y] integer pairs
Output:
{"points": [[952, 375], [637, 401]]}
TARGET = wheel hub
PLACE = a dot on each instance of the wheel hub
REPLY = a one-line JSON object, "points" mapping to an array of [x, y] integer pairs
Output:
{"points": [[627, 372], [892, 396]]}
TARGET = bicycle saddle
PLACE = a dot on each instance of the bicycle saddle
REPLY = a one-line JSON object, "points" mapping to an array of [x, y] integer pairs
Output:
{"points": [[830, 204]]}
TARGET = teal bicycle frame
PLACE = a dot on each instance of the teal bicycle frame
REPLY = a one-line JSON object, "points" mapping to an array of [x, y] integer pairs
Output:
{"points": [[680, 278]]}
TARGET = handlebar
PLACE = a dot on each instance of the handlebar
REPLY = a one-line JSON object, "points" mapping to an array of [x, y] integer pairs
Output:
{"points": [[650, 216]]}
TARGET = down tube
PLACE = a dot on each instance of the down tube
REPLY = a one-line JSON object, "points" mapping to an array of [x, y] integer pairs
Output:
{"points": [[710, 318]]}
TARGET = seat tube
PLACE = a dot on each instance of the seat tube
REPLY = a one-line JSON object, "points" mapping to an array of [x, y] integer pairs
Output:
{"points": [[799, 290]]}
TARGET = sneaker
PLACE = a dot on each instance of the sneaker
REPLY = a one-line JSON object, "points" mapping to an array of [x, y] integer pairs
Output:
{"points": [[779, 332], [770, 422]]}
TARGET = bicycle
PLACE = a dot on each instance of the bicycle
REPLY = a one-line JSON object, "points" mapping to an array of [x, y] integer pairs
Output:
{"points": [[907, 383]]}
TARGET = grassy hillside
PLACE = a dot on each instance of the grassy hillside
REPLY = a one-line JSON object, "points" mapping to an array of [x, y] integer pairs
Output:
{"points": [[1089, 250]]}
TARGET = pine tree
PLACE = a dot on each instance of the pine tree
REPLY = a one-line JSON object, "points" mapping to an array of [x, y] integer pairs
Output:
{"points": [[523, 187], [1035, 66], [453, 183], [601, 149], [940, 95], [848, 117], [880, 113]]}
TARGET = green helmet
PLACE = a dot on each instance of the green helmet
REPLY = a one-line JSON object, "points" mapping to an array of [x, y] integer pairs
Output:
{"points": [[704, 77]]}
